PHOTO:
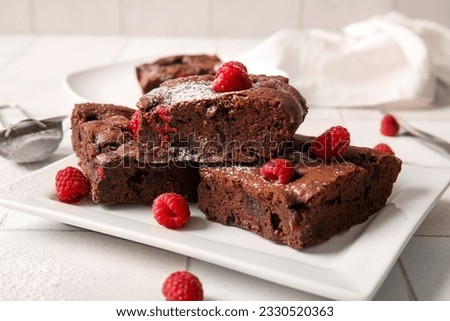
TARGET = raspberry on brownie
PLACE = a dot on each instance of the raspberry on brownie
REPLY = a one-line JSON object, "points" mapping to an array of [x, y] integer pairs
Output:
{"points": [[151, 75], [187, 116], [321, 200], [231, 76], [278, 170], [384, 148], [333, 143]]}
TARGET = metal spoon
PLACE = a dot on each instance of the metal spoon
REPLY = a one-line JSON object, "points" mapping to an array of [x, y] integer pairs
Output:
{"points": [[30, 140]]}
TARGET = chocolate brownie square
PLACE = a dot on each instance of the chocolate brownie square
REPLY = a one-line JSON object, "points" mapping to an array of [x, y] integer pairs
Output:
{"points": [[151, 75], [187, 117], [322, 200], [116, 168], [86, 112]]}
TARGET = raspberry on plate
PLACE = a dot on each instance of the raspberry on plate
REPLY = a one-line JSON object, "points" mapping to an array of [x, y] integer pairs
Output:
{"points": [[384, 148], [278, 170], [231, 76], [134, 122], [389, 126], [71, 185], [182, 286], [333, 143], [171, 210]]}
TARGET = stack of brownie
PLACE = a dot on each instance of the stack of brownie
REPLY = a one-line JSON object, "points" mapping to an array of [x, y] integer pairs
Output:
{"points": [[209, 146]]}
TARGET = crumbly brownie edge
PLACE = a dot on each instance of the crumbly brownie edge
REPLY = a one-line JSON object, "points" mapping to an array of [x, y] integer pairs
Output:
{"points": [[124, 180]]}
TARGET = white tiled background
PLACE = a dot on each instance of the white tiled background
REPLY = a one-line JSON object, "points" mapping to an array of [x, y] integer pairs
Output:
{"points": [[200, 17]]}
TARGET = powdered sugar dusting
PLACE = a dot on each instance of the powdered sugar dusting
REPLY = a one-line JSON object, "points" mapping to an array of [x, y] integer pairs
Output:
{"points": [[250, 178], [185, 91]]}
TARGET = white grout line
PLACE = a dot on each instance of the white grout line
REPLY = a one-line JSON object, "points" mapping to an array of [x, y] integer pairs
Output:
{"points": [[341, 116], [2, 219], [411, 293], [210, 18], [32, 13], [300, 14], [121, 17], [187, 267], [119, 53]]}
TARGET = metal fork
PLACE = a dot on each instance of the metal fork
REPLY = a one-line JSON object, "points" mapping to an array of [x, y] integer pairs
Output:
{"points": [[427, 137]]}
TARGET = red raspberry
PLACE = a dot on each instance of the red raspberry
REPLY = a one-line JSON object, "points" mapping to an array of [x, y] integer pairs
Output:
{"points": [[278, 170], [182, 286], [233, 64], [162, 113], [231, 76], [101, 173], [389, 126], [71, 185], [171, 210], [384, 148], [134, 122], [161, 124], [331, 144]]}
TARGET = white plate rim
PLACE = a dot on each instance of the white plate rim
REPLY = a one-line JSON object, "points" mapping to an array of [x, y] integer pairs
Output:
{"points": [[101, 82], [339, 283]]}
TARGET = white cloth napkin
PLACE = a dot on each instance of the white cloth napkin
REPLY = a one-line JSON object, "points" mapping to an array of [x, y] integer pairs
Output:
{"points": [[388, 60]]}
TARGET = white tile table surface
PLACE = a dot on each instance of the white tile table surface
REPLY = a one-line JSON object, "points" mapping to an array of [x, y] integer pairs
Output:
{"points": [[46, 260]]}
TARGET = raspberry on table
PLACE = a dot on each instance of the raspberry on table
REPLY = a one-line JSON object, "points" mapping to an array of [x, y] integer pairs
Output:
{"points": [[71, 185], [171, 210], [182, 286], [384, 148], [278, 170], [231, 76], [134, 122], [389, 126], [333, 143]]}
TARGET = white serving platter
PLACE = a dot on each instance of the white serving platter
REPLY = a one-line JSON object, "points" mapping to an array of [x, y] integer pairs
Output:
{"points": [[350, 266]]}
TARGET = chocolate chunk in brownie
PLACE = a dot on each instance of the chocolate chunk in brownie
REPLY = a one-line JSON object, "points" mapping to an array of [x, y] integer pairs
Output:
{"points": [[187, 115], [151, 75], [322, 200]]}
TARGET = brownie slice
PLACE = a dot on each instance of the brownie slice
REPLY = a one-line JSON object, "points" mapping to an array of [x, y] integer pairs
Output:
{"points": [[87, 112], [322, 200], [113, 163], [187, 117], [151, 75]]}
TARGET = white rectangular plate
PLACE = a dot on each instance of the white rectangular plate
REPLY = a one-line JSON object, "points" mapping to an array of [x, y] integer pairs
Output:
{"points": [[350, 266]]}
